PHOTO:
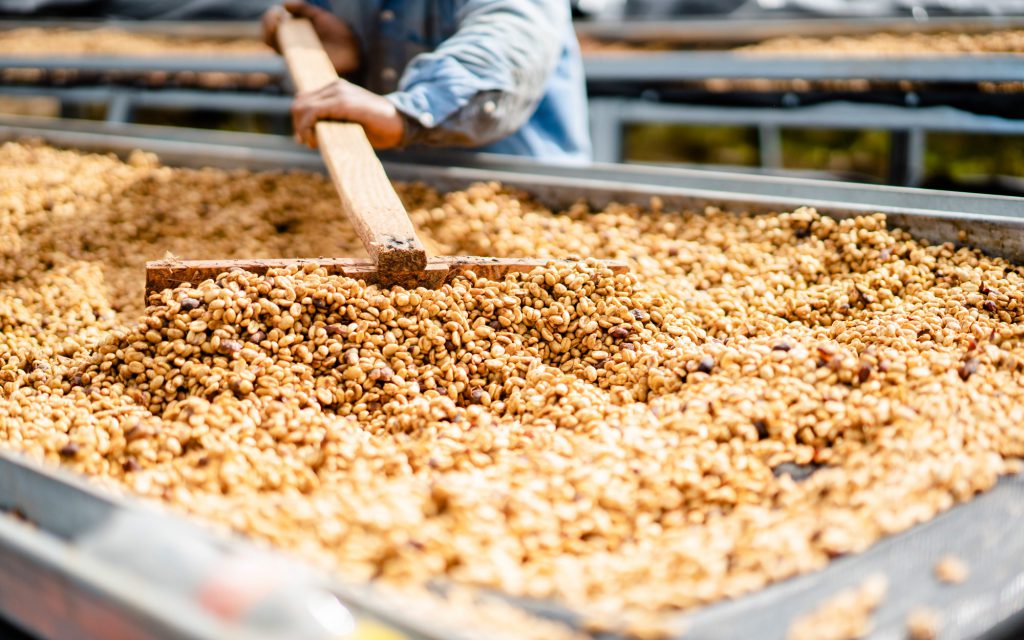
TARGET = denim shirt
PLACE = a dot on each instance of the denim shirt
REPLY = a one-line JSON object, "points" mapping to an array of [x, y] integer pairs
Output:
{"points": [[502, 76]]}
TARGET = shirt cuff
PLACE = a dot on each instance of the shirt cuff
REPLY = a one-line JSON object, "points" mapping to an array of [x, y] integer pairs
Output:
{"points": [[416, 106], [433, 92]]}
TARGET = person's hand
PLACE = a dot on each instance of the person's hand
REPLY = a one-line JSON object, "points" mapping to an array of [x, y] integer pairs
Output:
{"points": [[345, 101], [337, 37]]}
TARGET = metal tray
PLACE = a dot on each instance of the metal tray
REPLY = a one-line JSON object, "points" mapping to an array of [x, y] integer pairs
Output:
{"points": [[682, 66], [80, 563], [739, 31], [984, 532]]}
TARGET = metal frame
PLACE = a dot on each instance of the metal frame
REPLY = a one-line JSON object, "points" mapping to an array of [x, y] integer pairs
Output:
{"points": [[682, 66], [737, 31], [227, 63], [260, 151], [635, 67], [78, 563], [121, 103], [71, 521]]}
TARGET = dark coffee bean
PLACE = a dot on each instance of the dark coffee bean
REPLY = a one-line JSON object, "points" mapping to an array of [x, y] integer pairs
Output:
{"points": [[130, 465], [134, 433], [335, 330], [257, 337], [990, 306], [864, 372], [230, 346], [798, 472], [762, 429], [70, 450], [968, 368], [706, 365], [189, 304], [782, 346], [620, 332]]}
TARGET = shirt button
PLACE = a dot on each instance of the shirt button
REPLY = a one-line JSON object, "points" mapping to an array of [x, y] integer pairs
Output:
{"points": [[389, 74], [426, 119], [387, 15]]}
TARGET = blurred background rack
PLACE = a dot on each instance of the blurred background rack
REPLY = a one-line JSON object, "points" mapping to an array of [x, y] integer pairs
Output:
{"points": [[696, 73], [223, 89], [662, 91]]}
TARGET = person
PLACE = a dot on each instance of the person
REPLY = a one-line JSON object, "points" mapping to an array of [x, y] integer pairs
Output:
{"points": [[501, 76]]}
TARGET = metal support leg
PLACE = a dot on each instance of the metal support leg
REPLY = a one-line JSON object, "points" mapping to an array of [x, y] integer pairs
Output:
{"points": [[907, 157], [607, 130], [770, 146], [119, 108]]}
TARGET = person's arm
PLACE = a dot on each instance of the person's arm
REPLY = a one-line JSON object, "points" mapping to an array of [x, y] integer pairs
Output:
{"points": [[485, 81], [339, 100]]}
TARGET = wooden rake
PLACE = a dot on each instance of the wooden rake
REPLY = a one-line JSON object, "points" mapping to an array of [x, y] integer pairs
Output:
{"points": [[397, 256]]}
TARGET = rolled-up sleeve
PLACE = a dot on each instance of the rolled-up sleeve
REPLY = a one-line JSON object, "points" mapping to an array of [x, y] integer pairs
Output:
{"points": [[485, 81]]}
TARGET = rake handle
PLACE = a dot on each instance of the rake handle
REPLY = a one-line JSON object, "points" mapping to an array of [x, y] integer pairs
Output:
{"points": [[367, 196]]}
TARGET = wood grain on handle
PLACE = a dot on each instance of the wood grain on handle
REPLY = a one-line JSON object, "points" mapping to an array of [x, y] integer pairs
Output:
{"points": [[308, 64], [367, 197]]}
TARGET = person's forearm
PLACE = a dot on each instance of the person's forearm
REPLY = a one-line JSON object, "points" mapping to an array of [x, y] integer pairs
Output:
{"points": [[344, 101], [484, 119], [483, 83]]}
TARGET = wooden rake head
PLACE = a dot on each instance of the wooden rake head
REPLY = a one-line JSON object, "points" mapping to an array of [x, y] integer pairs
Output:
{"points": [[397, 256]]}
